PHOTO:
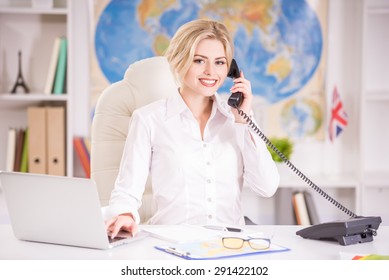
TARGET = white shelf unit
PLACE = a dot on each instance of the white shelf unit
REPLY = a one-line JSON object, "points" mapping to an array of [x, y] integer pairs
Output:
{"points": [[343, 189], [374, 122], [279, 209], [32, 31]]}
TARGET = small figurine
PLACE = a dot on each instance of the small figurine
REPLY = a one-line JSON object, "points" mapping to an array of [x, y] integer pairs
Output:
{"points": [[20, 81]]}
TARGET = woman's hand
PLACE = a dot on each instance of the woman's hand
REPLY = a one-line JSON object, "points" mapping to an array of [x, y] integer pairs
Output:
{"points": [[244, 86], [123, 222]]}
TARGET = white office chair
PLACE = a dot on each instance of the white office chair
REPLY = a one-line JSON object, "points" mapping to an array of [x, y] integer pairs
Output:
{"points": [[145, 81]]}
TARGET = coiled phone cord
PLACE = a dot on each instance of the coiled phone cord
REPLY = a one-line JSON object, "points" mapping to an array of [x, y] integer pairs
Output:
{"points": [[292, 167]]}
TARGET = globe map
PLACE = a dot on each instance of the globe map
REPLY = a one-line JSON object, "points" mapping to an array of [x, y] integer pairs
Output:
{"points": [[278, 43]]}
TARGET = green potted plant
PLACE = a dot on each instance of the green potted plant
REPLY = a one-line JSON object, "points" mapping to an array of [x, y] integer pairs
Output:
{"points": [[284, 145]]}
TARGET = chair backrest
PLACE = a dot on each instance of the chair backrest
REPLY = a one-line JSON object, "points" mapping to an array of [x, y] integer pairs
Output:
{"points": [[145, 81]]}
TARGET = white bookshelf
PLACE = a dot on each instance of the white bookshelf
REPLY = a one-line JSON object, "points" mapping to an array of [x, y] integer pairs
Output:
{"points": [[344, 189], [374, 125], [32, 31]]}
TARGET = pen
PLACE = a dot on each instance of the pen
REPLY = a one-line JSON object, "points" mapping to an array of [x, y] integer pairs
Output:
{"points": [[174, 251], [234, 229], [221, 228]]}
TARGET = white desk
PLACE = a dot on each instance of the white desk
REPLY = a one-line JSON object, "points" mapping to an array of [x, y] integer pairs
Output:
{"points": [[301, 249]]}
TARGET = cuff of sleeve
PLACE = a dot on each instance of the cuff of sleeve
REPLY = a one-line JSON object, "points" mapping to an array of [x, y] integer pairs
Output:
{"points": [[115, 210]]}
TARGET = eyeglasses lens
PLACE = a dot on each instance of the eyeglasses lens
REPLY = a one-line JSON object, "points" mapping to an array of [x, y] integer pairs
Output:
{"points": [[237, 243]]}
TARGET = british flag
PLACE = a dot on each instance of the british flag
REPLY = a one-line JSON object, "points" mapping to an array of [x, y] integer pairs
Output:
{"points": [[339, 118]]}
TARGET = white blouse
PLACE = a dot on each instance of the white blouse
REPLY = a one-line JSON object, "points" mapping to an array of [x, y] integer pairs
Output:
{"points": [[194, 180]]}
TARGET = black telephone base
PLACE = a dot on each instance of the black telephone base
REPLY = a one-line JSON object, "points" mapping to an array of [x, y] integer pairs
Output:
{"points": [[346, 232], [355, 239]]}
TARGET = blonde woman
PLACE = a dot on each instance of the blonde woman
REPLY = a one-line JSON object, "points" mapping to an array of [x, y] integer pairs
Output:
{"points": [[197, 149]]}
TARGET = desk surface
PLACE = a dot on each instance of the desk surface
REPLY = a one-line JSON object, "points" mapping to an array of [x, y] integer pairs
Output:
{"points": [[300, 248]]}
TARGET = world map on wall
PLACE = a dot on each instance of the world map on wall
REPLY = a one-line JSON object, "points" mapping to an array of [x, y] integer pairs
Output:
{"points": [[301, 117], [278, 43]]}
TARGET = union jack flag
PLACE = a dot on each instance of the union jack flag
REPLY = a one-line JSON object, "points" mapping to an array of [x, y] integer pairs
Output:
{"points": [[339, 118]]}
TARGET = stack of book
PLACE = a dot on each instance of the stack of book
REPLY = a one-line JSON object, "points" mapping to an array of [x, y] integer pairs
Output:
{"points": [[17, 150], [56, 75], [304, 209]]}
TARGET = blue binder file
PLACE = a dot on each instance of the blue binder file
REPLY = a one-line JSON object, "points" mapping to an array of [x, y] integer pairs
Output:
{"points": [[214, 249]]}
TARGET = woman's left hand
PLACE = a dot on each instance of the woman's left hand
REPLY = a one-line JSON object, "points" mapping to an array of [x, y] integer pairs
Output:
{"points": [[244, 86]]}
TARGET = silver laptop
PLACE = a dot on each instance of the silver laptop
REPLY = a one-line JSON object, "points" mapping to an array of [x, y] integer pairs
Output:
{"points": [[58, 210]]}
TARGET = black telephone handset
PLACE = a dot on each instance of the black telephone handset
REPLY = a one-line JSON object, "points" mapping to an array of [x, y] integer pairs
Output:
{"points": [[236, 98], [351, 231]]}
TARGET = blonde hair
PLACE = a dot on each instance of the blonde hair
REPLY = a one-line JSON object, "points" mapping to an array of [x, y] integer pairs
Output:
{"points": [[182, 46]]}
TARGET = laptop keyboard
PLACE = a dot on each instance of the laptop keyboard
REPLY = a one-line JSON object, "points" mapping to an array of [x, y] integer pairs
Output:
{"points": [[116, 239]]}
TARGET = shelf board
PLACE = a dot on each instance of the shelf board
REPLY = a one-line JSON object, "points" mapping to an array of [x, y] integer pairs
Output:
{"points": [[31, 10], [322, 181], [32, 97], [9, 101], [377, 95], [378, 11], [376, 179]]}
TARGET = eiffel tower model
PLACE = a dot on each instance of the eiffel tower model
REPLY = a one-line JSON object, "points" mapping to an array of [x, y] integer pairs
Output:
{"points": [[19, 80]]}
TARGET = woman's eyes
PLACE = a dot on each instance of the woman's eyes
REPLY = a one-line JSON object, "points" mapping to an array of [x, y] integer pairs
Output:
{"points": [[202, 61], [199, 61], [220, 62]]}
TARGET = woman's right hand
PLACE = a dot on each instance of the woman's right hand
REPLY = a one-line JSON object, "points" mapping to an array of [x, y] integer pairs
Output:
{"points": [[123, 222]]}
